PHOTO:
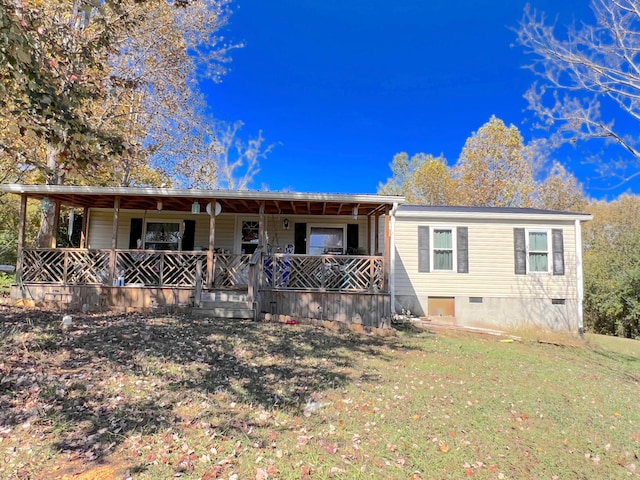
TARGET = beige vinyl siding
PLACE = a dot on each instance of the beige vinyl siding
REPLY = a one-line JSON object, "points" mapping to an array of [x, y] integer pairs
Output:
{"points": [[491, 262], [227, 226], [101, 226], [278, 237]]}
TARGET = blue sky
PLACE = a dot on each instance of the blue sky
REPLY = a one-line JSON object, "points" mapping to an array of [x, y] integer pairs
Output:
{"points": [[342, 86]]}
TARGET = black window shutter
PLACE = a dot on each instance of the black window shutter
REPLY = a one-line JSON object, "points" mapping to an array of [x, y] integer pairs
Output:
{"points": [[462, 245], [189, 237], [353, 242], [300, 238], [135, 233], [423, 248], [557, 244], [520, 251]]}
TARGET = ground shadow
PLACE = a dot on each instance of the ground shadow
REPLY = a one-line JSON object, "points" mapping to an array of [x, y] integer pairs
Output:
{"points": [[107, 376]]}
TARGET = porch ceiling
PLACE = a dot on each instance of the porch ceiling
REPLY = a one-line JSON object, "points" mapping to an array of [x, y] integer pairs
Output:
{"points": [[243, 202]]}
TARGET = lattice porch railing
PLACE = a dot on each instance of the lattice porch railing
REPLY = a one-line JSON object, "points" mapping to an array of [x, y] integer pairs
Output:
{"points": [[324, 272], [231, 270], [137, 267], [178, 269], [65, 266], [165, 268]]}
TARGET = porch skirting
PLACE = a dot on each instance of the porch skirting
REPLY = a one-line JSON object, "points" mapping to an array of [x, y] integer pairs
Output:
{"points": [[366, 309], [92, 298], [369, 310]]}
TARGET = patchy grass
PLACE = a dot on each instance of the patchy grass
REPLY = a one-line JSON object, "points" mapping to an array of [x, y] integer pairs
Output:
{"points": [[148, 397]]}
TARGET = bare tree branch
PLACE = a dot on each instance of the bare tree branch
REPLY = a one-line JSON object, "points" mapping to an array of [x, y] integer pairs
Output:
{"points": [[589, 75]]}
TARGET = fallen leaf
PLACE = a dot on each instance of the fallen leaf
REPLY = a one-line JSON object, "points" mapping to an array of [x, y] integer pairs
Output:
{"points": [[261, 474]]}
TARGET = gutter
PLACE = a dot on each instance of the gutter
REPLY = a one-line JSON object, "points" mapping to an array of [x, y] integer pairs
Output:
{"points": [[579, 277]]}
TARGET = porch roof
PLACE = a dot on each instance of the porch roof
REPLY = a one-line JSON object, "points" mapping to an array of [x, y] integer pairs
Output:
{"points": [[231, 201]]}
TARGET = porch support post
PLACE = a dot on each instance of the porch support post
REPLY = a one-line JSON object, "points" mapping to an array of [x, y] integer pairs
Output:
{"points": [[21, 232], [56, 224], [85, 225], [376, 233], [114, 240], [369, 235], [387, 248], [212, 244], [262, 232]]}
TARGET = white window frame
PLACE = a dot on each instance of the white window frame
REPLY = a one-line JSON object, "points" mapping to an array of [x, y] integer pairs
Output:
{"points": [[239, 241], [337, 226], [548, 252], [454, 248]]}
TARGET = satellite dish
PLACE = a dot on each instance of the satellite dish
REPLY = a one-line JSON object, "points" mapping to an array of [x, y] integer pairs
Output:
{"points": [[218, 209]]}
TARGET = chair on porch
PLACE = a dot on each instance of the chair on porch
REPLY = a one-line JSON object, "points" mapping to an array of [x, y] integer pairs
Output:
{"points": [[286, 263]]}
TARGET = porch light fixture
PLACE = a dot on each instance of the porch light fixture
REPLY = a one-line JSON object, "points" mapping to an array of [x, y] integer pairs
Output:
{"points": [[45, 203], [159, 205], [195, 208], [285, 224], [355, 213]]}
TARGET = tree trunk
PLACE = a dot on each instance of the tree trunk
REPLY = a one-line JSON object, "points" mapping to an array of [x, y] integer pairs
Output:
{"points": [[50, 214]]}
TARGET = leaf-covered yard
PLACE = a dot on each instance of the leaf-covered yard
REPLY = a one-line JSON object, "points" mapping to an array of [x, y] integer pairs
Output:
{"points": [[135, 396]]}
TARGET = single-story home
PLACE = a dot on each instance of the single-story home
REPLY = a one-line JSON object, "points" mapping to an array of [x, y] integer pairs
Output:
{"points": [[480, 266], [355, 259]]}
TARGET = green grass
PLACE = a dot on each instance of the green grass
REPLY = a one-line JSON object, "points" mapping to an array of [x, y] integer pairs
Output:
{"points": [[166, 396], [6, 280]]}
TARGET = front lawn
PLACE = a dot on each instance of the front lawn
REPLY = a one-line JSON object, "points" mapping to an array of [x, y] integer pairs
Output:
{"points": [[152, 397]]}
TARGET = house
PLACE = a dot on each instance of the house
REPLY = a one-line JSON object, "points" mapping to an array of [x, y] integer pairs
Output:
{"points": [[504, 267], [354, 259], [225, 253]]}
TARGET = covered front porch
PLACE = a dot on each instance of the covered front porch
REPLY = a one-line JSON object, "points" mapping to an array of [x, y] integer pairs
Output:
{"points": [[306, 256]]}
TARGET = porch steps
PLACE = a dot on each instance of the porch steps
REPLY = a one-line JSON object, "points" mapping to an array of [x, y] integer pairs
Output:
{"points": [[224, 304]]}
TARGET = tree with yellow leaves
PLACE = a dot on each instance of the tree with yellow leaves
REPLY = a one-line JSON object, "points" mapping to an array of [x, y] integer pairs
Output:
{"points": [[97, 90], [422, 180], [493, 170]]}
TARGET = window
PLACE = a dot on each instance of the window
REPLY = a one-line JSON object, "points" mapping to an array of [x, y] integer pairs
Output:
{"points": [[538, 251], [162, 236], [250, 236], [326, 240], [444, 249], [442, 253]]}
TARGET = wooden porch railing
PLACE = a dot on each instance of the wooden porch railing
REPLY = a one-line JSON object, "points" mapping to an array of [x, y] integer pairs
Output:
{"points": [[157, 268], [167, 268], [324, 272]]}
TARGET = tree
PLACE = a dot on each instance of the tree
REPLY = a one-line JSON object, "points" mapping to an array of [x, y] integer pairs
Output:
{"points": [[560, 190], [154, 91], [431, 183], [95, 80], [612, 267], [589, 77], [51, 62], [402, 171], [493, 170], [422, 180], [230, 163]]}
